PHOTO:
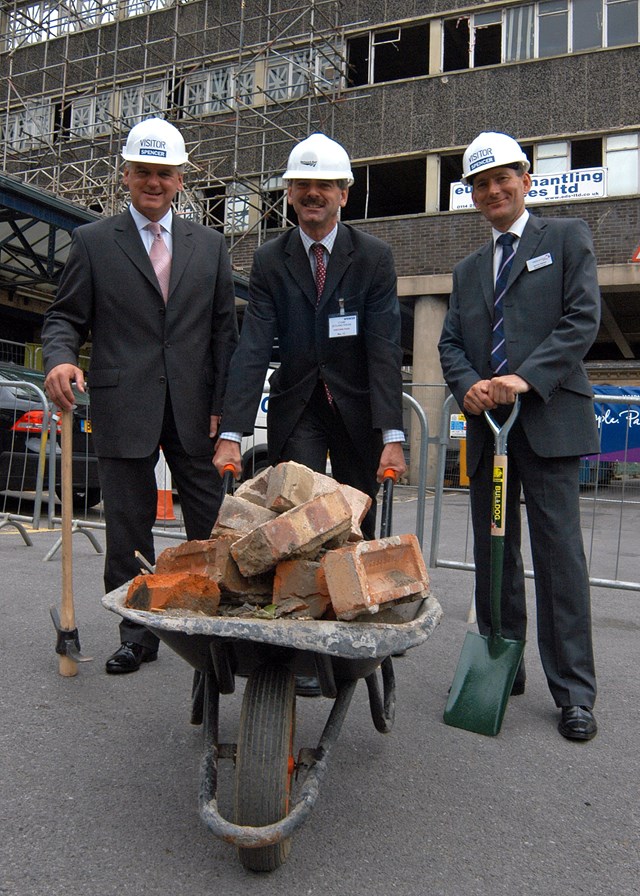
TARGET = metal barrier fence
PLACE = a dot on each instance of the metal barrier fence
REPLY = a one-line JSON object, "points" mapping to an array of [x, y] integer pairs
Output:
{"points": [[610, 494], [28, 475], [610, 502]]}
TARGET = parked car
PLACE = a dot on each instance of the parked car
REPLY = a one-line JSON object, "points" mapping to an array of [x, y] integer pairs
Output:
{"points": [[21, 418]]}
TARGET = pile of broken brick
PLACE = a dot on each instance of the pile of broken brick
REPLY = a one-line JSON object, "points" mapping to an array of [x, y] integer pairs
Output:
{"points": [[287, 544]]}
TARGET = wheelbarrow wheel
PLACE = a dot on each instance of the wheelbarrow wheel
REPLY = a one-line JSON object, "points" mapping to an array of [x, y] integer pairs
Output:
{"points": [[264, 761]]}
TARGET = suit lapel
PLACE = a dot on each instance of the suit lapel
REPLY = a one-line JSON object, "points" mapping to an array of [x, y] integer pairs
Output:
{"points": [[527, 246], [339, 262], [299, 266], [128, 239], [183, 248], [484, 261]]}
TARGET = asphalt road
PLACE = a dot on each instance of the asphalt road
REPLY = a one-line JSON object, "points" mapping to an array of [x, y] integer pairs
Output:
{"points": [[100, 773]]}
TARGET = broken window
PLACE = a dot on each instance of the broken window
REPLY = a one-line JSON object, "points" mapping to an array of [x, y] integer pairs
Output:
{"points": [[387, 190], [389, 55], [472, 41]]}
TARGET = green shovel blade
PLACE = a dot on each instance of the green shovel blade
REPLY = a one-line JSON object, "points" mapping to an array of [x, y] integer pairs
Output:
{"points": [[482, 683]]}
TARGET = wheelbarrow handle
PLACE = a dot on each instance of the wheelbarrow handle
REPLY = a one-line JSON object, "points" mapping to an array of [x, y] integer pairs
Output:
{"points": [[228, 477], [389, 478], [500, 433]]}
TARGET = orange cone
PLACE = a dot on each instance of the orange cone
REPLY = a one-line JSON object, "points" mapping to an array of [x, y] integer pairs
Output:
{"points": [[164, 512]]}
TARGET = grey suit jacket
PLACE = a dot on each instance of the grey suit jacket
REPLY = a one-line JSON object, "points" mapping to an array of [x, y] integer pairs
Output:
{"points": [[551, 318], [363, 371], [141, 348]]}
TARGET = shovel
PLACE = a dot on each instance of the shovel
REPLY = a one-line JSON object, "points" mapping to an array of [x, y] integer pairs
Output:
{"points": [[68, 642], [488, 663]]}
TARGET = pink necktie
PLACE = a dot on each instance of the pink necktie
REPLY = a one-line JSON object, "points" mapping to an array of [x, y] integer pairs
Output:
{"points": [[321, 276], [160, 258]]}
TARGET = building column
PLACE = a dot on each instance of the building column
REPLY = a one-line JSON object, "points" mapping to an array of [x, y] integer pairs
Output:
{"points": [[429, 391]]}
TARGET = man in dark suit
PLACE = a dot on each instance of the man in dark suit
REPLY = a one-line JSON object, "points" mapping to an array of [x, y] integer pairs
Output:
{"points": [[162, 335], [550, 317], [328, 293]]}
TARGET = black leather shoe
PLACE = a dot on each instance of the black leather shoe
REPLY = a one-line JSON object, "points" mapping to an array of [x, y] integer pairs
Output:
{"points": [[307, 686], [577, 723], [128, 657]]}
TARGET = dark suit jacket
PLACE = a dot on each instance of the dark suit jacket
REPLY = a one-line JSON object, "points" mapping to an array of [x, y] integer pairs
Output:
{"points": [[551, 318], [140, 348], [362, 371]]}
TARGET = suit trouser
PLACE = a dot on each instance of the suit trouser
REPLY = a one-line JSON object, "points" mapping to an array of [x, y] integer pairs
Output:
{"points": [[321, 430], [551, 493], [130, 503]]}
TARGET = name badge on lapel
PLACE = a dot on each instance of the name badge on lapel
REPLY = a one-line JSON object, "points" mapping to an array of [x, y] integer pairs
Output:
{"points": [[541, 261], [342, 324]]}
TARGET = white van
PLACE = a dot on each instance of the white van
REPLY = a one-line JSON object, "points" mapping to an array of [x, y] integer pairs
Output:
{"points": [[254, 448]]}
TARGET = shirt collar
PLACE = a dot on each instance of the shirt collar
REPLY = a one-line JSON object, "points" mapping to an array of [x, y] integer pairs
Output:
{"points": [[165, 222], [326, 241], [516, 228]]}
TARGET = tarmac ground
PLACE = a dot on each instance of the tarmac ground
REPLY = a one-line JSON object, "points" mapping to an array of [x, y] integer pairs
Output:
{"points": [[100, 773]]}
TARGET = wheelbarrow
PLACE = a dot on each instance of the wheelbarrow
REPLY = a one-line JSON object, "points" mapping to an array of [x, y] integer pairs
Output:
{"points": [[269, 654]]}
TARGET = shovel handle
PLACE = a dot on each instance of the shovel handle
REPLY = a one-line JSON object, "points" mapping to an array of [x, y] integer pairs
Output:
{"points": [[499, 511], [500, 433]]}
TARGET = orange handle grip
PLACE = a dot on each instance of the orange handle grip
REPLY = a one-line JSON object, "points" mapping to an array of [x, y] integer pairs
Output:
{"points": [[390, 474]]}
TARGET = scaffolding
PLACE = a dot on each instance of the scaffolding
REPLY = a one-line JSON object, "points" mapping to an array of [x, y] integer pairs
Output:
{"points": [[242, 80]]}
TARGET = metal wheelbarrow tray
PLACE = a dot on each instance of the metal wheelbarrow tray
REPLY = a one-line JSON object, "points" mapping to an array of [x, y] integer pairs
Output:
{"points": [[270, 653]]}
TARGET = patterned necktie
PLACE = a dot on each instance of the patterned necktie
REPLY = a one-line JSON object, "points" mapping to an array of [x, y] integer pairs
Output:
{"points": [[498, 346], [321, 270], [160, 258], [321, 276]]}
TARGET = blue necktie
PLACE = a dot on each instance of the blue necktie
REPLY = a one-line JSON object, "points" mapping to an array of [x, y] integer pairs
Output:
{"points": [[498, 346]]}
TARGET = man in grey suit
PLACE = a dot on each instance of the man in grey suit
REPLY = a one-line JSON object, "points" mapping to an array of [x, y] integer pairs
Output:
{"points": [[549, 319], [328, 292], [162, 334]]}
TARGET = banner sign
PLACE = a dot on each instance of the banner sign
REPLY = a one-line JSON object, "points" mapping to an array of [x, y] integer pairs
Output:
{"points": [[583, 183]]}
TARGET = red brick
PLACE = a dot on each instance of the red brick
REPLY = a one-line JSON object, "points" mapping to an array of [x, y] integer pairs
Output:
{"points": [[213, 558], [302, 579], [290, 485], [362, 576], [300, 532], [359, 501], [176, 591]]}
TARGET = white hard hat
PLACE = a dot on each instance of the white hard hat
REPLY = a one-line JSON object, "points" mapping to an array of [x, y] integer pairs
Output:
{"points": [[155, 141], [491, 150], [318, 158]]}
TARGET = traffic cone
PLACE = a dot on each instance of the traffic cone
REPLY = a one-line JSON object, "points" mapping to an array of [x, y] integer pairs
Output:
{"points": [[164, 512]]}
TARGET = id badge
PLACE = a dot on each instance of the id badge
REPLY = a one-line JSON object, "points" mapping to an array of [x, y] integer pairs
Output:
{"points": [[343, 324]]}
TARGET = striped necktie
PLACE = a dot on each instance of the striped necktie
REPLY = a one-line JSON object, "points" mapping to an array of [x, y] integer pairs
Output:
{"points": [[498, 345]]}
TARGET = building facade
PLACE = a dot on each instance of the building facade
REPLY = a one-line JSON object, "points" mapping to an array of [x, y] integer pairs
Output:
{"points": [[405, 85]]}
